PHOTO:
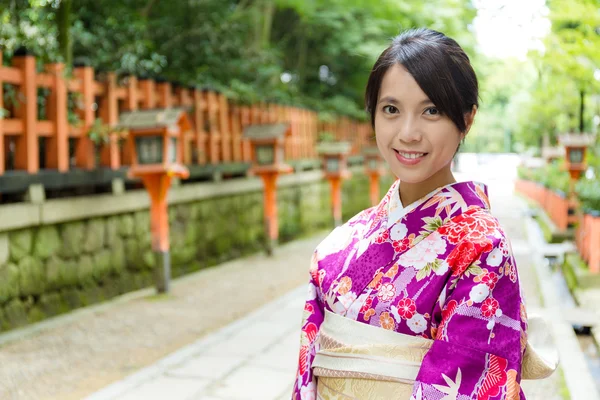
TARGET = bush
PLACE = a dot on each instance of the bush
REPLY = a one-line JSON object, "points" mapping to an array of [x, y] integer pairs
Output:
{"points": [[588, 192]]}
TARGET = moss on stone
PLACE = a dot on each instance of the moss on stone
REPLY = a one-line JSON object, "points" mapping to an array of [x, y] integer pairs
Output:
{"points": [[117, 257], [85, 271], [102, 264], [95, 235], [16, 313], [132, 254], [126, 224], [32, 276], [20, 244], [35, 314], [73, 236], [9, 282], [47, 242], [112, 231]]}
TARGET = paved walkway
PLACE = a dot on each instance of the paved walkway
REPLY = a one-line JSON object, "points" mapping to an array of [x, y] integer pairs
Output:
{"points": [[255, 357]]}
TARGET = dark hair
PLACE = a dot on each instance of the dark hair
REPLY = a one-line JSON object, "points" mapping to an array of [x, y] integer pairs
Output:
{"points": [[439, 65]]}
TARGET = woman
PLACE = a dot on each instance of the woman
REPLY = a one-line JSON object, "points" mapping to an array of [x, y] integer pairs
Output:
{"points": [[419, 296]]}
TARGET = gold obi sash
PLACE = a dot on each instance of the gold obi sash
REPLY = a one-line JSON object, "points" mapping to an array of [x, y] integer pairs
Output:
{"points": [[360, 361]]}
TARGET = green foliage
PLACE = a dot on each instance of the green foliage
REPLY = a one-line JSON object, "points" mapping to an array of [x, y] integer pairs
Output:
{"points": [[588, 192], [314, 54], [553, 176]]}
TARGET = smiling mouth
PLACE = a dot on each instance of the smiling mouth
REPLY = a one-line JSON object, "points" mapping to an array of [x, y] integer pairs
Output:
{"points": [[410, 155]]}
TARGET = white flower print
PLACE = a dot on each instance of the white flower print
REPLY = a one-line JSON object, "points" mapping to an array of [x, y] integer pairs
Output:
{"points": [[494, 258], [347, 299], [491, 324], [479, 293], [398, 231], [425, 252], [336, 241], [308, 392], [417, 324], [386, 292], [395, 314], [312, 291], [442, 269]]}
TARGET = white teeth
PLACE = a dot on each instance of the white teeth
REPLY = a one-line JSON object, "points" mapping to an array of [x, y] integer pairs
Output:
{"points": [[411, 155]]}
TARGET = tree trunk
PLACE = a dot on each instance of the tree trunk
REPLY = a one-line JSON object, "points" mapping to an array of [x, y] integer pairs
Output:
{"points": [[302, 55], [581, 110], [267, 13], [64, 35]]}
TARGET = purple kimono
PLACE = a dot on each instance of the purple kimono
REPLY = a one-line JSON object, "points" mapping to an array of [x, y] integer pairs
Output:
{"points": [[441, 268]]}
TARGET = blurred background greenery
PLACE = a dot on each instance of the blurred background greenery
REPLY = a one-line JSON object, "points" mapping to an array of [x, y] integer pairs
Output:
{"points": [[318, 53]]}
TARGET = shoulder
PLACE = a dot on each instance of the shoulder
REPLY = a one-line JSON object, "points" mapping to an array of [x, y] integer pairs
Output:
{"points": [[341, 237]]}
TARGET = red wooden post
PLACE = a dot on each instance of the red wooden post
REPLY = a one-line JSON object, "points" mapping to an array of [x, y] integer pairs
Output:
{"points": [[200, 139], [57, 147], [224, 131], [214, 138], [165, 99], [109, 112], [594, 260], [26, 152], [132, 93], [236, 133], [148, 89], [2, 149], [246, 118], [85, 153]]}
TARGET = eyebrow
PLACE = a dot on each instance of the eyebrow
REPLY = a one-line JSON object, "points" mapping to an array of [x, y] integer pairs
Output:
{"points": [[393, 100]]}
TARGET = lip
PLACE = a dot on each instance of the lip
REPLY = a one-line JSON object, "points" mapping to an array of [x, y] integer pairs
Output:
{"points": [[409, 161]]}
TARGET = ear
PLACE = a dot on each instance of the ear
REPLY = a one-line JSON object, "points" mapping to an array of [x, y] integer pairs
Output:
{"points": [[469, 119]]}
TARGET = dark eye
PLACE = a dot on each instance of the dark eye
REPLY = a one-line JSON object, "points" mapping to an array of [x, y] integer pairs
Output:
{"points": [[432, 111], [390, 110]]}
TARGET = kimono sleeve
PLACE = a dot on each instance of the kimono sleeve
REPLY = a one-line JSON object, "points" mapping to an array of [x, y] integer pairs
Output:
{"points": [[481, 336], [305, 386]]}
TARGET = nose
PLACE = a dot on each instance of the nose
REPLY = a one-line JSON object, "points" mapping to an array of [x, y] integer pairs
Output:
{"points": [[408, 130]]}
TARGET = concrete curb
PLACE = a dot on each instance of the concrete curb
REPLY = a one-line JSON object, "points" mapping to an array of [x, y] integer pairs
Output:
{"points": [[118, 388], [579, 380]]}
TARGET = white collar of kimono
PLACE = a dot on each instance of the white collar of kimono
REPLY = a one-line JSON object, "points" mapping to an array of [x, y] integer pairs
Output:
{"points": [[396, 210]]}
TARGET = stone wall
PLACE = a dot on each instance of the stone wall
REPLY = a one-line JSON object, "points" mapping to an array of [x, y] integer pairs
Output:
{"points": [[48, 269]]}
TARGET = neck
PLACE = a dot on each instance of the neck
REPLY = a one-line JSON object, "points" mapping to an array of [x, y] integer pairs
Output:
{"points": [[411, 192]]}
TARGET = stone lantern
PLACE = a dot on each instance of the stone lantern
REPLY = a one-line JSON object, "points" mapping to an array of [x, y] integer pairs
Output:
{"points": [[375, 167], [267, 143], [335, 165], [156, 137]]}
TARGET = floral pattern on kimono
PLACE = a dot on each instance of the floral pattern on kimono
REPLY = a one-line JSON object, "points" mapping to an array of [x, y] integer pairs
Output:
{"points": [[441, 268]]}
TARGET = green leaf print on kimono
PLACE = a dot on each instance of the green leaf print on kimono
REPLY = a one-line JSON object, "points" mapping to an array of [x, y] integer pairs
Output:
{"points": [[439, 269]]}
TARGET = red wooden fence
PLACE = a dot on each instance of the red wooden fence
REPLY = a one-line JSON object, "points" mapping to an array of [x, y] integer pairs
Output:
{"points": [[216, 136]]}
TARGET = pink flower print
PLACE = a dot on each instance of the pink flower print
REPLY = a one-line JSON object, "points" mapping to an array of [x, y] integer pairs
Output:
{"points": [[407, 308], [386, 292], [309, 308], [489, 307], [490, 279], [367, 305]]}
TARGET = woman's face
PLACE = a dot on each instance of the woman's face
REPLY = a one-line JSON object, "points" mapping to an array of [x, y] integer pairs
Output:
{"points": [[416, 140]]}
